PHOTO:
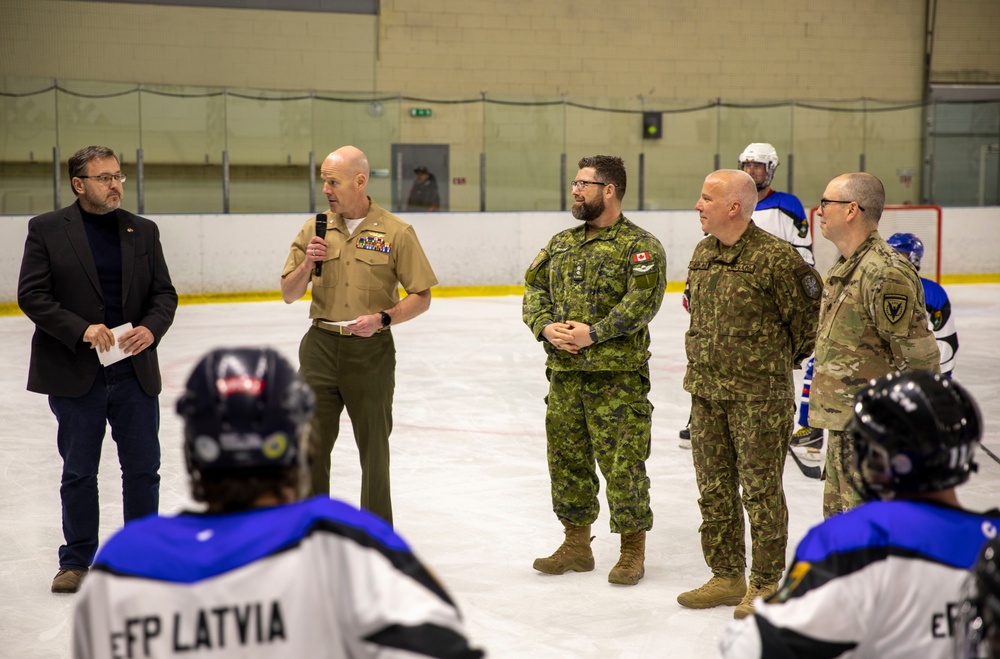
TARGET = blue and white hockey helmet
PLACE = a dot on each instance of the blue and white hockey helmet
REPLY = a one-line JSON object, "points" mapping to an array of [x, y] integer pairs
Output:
{"points": [[764, 153], [244, 408], [914, 432], [908, 245]]}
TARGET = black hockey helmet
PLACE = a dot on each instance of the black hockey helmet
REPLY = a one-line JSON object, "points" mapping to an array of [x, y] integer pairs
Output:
{"points": [[977, 635], [914, 432], [244, 408]]}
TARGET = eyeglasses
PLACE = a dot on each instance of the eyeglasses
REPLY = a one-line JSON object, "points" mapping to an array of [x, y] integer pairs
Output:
{"points": [[583, 184], [106, 178], [823, 203]]}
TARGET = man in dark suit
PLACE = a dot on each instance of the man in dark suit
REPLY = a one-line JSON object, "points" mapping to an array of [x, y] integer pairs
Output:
{"points": [[88, 271]]}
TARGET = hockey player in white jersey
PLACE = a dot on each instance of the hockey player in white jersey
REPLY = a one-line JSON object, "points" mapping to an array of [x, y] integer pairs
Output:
{"points": [[781, 214], [939, 318], [884, 580], [260, 573]]}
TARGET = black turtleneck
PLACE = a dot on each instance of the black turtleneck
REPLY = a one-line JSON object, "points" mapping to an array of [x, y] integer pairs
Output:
{"points": [[105, 245]]}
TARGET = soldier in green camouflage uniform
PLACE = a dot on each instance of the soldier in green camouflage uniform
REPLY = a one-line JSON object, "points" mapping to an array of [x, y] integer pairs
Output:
{"points": [[872, 322], [754, 306], [589, 297]]}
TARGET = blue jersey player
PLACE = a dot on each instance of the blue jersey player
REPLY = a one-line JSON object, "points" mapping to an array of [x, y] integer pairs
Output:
{"points": [[261, 572], [885, 579], [936, 300]]}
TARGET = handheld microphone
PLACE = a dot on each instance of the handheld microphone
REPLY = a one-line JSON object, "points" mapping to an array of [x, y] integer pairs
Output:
{"points": [[321, 232]]}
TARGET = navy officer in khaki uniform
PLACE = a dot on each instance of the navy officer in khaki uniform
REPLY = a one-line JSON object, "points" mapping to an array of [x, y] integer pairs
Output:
{"points": [[348, 357]]}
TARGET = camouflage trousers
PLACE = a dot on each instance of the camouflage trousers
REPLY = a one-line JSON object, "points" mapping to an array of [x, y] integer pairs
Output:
{"points": [[738, 445], [842, 478], [603, 417]]}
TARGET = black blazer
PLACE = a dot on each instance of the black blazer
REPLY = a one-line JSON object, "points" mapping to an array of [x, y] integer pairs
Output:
{"points": [[59, 291]]}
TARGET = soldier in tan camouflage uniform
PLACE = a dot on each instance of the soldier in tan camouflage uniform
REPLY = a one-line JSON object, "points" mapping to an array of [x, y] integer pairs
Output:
{"points": [[754, 305], [872, 322], [589, 296]]}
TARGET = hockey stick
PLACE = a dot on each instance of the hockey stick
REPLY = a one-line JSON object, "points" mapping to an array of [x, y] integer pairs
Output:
{"points": [[809, 472], [990, 453]]}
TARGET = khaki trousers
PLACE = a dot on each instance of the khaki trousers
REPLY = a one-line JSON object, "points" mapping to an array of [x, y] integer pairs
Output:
{"points": [[360, 374]]}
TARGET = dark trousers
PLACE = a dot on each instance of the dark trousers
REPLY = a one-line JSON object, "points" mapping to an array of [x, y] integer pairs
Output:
{"points": [[360, 374], [116, 398]]}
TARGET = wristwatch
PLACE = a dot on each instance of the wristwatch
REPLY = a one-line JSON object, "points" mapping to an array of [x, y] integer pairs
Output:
{"points": [[386, 318], [593, 335]]}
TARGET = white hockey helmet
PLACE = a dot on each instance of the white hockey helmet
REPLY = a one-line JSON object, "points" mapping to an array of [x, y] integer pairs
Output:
{"points": [[764, 153]]}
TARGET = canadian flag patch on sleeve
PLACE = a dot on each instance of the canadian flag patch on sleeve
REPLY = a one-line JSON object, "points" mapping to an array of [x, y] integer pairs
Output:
{"points": [[641, 256]]}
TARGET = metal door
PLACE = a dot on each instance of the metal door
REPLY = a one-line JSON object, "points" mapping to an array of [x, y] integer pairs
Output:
{"points": [[408, 157]]}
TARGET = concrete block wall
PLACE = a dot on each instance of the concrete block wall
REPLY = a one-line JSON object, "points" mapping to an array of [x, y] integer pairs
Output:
{"points": [[682, 50], [634, 54], [966, 50], [457, 48], [201, 46]]}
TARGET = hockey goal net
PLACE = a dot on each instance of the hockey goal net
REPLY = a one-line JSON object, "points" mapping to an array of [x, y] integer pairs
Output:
{"points": [[922, 221]]}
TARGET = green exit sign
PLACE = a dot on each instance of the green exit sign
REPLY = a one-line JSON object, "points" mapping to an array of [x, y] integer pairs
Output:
{"points": [[420, 112]]}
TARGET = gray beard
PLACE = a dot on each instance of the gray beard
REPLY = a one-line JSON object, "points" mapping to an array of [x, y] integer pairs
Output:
{"points": [[588, 212], [108, 206]]}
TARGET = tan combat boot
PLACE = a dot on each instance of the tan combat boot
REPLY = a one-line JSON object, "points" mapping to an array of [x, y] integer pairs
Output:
{"points": [[745, 608], [631, 565], [573, 554], [728, 591]]}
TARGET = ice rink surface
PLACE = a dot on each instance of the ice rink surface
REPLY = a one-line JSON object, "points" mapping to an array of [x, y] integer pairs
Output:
{"points": [[470, 485]]}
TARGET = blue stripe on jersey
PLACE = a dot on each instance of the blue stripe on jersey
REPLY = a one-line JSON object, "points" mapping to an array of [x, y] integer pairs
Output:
{"points": [[787, 203], [192, 546], [936, 533], [934, 296]]}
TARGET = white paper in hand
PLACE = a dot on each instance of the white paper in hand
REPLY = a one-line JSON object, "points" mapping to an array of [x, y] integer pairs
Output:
{"points": [[115, 354]]}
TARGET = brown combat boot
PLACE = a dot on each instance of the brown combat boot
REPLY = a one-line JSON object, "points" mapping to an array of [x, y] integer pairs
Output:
{"points": [[573, 554], [728, 591], [631, 565], [745, 608], [68, 580]]}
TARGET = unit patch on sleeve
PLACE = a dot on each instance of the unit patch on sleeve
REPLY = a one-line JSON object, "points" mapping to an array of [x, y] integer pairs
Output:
{"points": [[541, 258], [644, 270], [795, 577], [803, 227], [532, 273], [894, 307], [810, 283]]}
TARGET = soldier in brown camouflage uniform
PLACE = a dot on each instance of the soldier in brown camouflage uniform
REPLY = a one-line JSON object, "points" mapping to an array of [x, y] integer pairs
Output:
{"points": [[754, 305], [872, 322], [589, 296]]}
